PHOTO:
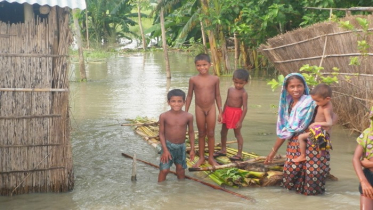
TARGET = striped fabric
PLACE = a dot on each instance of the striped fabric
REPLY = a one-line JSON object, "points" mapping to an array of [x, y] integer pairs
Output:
{"points": [[73, 4]]}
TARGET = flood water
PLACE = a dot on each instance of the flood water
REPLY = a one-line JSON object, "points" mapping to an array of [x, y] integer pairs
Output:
{"points": [[135, 85]]}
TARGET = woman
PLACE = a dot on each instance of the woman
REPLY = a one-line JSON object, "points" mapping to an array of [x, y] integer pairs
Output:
{"points": [[363, 157], [296, 110]]}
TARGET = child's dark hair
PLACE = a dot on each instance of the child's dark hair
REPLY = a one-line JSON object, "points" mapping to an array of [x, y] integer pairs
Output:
{"points": [[241, 74], [322, 90], [175, 92], [203, 57]]}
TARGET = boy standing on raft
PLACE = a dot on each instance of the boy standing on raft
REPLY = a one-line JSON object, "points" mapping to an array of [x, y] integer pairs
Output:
{"points": [[234, 112], [173, 125], [206, 89]]}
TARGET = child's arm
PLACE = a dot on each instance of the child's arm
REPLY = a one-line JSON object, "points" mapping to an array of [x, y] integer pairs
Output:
{"points": [[218, 99], [191, 136], [166, 154], [365, 185], [328, 114], [189, 95], [225, 104], [244, 109]]}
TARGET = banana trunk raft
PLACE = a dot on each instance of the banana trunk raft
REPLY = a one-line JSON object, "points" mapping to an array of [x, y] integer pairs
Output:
{"points": [[251, 172]]}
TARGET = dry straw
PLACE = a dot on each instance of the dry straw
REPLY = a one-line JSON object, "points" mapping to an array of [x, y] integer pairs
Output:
{"points": [[35, 147], [328, 45]]}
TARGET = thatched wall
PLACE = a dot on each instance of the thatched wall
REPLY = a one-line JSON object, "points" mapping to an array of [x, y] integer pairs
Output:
{"points": [[328, 45], [35, 147]]}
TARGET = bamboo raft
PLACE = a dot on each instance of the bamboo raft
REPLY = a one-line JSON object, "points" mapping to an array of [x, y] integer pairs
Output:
{"points": [[251, 172]]}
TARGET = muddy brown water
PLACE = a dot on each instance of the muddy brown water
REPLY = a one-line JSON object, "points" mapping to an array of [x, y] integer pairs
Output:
{"points": [[135, 85]]}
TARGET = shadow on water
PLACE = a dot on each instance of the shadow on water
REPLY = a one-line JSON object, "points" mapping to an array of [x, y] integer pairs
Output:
{"points": [[135, 85]]}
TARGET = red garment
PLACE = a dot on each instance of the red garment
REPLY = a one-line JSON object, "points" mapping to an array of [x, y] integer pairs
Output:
{"points": [[231, 116]]}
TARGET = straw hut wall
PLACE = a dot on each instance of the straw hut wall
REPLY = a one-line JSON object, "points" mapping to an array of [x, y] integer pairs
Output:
{"points": [[35, 147], [328, 45]]}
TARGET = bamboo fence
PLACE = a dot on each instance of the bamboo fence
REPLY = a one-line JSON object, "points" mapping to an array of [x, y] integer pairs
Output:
{"points": [[328, 45], [35, 147]]}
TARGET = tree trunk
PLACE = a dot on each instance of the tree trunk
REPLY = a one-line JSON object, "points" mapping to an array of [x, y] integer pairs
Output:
{"points": [[214, 52], [203, 37], [224, 51], [164, 44], [140, 25], [83, 76], [236, 51], [86, 25]]}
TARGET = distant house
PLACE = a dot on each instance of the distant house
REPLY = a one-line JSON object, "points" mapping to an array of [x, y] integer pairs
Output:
{"points": [[35, 145]]}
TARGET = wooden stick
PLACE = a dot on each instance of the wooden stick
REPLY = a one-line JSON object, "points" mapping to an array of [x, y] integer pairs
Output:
{"points": [[216, 187], [325, 56]]}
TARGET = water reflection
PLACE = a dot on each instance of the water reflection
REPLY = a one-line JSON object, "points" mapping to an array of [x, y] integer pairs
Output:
{"points": [[136, 85]]}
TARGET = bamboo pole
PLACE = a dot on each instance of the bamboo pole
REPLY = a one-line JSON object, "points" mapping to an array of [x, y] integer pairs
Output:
{"points": [[311, 39], [30, 116], [325, 56], [34, 89], [216, 187], [30, 55]]}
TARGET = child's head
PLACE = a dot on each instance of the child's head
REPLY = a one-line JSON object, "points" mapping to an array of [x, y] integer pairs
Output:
{"points": [[240, 78], [241, 74], [175, 92], [202, 57], [321, 94]]}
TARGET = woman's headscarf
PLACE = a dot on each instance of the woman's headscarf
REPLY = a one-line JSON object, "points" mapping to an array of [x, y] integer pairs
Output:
{"points": [[366, 138], [301, 114]]}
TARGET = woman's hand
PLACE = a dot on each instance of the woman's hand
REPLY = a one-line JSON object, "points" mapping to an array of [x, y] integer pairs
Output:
{"points": [[270, 157]]}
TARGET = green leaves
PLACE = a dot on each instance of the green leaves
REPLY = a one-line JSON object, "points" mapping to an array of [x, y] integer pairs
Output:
{"points": [[276, 83]]}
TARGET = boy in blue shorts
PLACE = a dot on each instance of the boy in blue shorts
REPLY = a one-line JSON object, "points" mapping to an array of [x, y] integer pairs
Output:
{"points": [[173, 126]]}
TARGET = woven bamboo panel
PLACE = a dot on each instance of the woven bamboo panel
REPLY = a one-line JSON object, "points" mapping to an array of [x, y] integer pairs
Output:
{"points": [[328, 45], [35, 148]]}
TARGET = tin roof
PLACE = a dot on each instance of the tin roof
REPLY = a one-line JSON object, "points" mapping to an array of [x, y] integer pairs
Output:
{"points": [[73, 4]]}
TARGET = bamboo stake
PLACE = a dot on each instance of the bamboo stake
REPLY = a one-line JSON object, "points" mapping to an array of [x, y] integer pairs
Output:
{"points": [[133, 177], [200, 181], [30, 55]]}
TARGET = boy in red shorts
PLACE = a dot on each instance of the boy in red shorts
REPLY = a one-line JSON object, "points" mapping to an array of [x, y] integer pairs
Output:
{"points": [[234, 112]]}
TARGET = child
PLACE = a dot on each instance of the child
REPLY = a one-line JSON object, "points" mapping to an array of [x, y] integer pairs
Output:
{"points": [[234, 112], [364, 151], [206, 90], [321, 94], [173, 125]]}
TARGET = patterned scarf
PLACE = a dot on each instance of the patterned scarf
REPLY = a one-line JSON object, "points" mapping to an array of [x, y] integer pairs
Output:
{"points": [[300, 116]]}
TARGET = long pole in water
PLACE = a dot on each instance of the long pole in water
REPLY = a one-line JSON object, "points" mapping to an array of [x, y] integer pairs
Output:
{"points": [[216, 187]]}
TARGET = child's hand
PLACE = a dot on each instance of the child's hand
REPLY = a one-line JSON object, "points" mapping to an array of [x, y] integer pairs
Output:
{"points": [[220, 118], [191, 155], [365, 163], [165, 157], [312, 125], [238, 125], [367, 189]]}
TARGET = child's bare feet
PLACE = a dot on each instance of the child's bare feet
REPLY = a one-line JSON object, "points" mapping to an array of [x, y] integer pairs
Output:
{"points": [[199, 163], [212, 162], [299, 159]]}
